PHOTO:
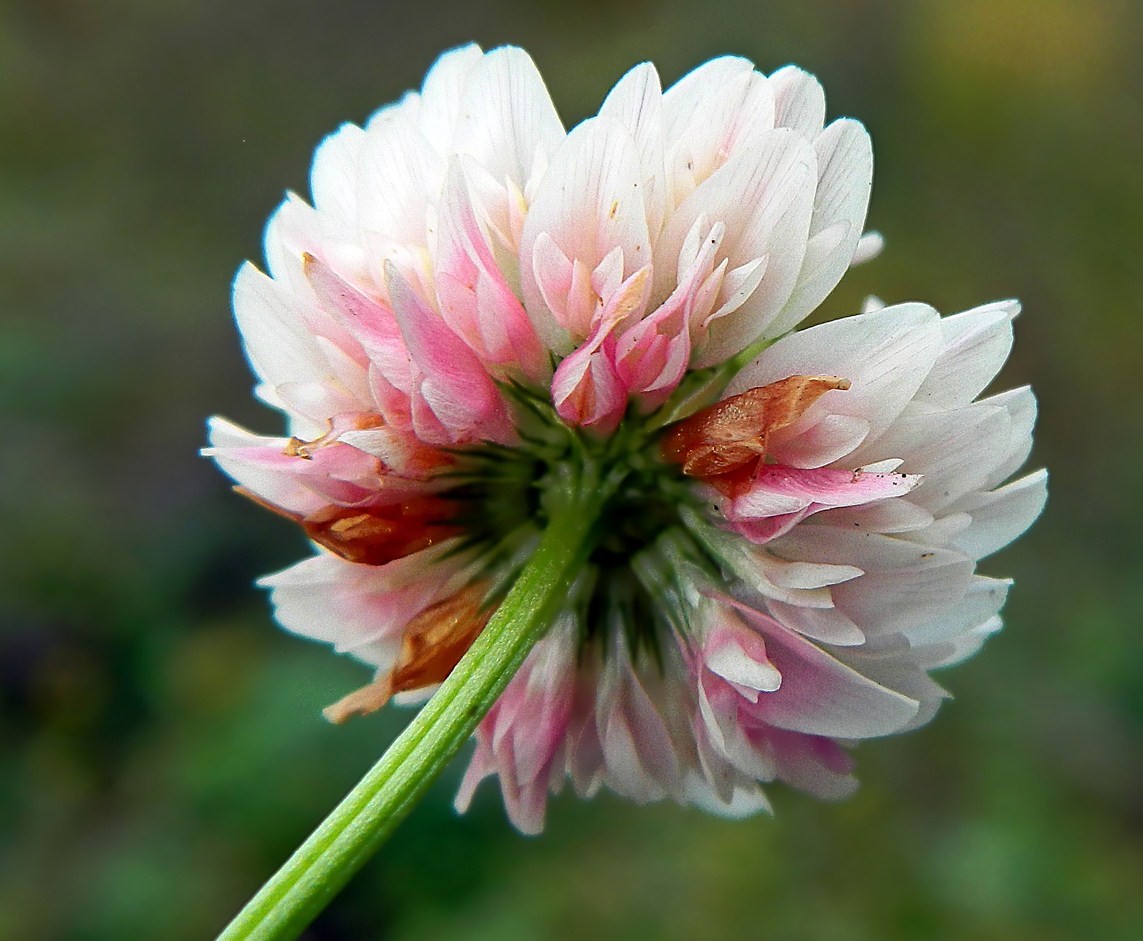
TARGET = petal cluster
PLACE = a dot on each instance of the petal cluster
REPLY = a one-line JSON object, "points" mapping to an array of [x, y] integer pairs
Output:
{"points": [[848, 568], [462, 234], [461, 245]]}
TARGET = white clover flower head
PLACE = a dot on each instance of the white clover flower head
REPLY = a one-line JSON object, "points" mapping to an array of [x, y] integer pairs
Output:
{"points": [[477, 300]]}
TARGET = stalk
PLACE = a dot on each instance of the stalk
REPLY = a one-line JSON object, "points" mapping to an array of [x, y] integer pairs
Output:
{"points": [[357, 827]]}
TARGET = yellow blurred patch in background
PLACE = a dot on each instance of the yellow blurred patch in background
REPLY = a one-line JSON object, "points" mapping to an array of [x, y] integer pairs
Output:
{"points": [[1041, 47]]}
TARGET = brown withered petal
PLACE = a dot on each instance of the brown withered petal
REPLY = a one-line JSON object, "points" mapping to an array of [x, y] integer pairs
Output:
{"points": [[377, 535], [361, 702], [734, 432], [433, 643], [382, 534]]}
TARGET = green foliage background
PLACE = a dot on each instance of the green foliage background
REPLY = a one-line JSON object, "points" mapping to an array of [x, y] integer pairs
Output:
{"points": [[162, 749]]}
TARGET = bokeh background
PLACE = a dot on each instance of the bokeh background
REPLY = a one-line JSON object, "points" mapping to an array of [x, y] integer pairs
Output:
{"points": [[162, 750]]}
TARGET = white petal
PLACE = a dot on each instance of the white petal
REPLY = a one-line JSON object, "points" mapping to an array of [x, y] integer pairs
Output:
{"points": [[333, 177], [821, 696], [958, 649], [716, 111], [870, 552], [399, 174], [885, 355], [636, 103], [845, 169], [887, 516], [810, 574], [983, 599], [442, 93], [940, 532], [764, 195], [588, 205], [743, 801], [827, 625], [891, 601], [799, 101], [507, 116], [278, 345], [977, 343], [901, 673], [999, 516], [869, 246], [1021, 407], [904, 583], [955, 451]]}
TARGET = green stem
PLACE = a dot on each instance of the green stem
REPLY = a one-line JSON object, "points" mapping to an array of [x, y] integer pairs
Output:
{"points": [[355, 829]]}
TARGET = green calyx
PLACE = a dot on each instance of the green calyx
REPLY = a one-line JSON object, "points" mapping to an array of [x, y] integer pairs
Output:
{"points": [[505, 497]]}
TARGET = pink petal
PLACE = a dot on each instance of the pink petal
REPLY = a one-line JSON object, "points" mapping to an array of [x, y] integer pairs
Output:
{"points": [[812, 763], [777, 489], [780, 497], [821, 696], [337, 473], [476, 300], [456, 400], [738, 655], [639, 755], [362, 609], [586, 389], [370, 321], [652, 356]]}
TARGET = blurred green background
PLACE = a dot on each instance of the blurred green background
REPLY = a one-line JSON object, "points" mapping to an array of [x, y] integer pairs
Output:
{"points": [[162, 749]]}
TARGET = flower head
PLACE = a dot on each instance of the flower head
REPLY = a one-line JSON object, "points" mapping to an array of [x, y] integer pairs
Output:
{"points": [[478, 301]]}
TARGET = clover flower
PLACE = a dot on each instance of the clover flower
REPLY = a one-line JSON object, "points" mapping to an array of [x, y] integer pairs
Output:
{"points": [[481, 312]]}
